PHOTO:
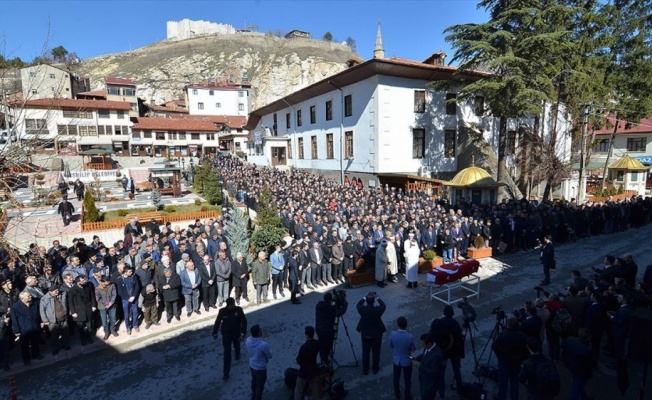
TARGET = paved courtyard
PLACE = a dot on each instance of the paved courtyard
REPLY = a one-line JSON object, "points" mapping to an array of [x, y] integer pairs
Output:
{"points": [[181, 360]]}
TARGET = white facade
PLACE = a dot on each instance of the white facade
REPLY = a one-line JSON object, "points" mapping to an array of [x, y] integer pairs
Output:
{"points": [[217, 100], [184, 29], [44, 81]]}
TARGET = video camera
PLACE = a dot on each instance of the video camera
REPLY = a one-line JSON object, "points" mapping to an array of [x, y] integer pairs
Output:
{"points": [[339, 298], [468, 312], [499, 313]]}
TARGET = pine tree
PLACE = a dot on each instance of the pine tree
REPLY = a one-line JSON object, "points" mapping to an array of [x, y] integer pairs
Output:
{"points": [[267, 213], [91, 213], [237, 234], [212, 188]]}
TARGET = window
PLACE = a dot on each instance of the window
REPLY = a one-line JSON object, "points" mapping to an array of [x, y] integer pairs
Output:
{"points": [[72, 130], [160, 135], [620, 175], [329, 110], [240, 107], [182, 135], [290, 149], [348, 144], [172, 136], [601, 146], [287, 121], [200, 106], [636, 144], [134, 106], [511, 142], [418, 142], [275, 126], [194, 91], [419, 101], [119, 130], [147, 134], [451, 104], [300, 148], [52, 88], [210, 136], [101, 131], [479, 106], [52, 76], [348, 105], [103, 113], [211, 92], [85, 130], [329, 146], [92, 130], [61, 130], [313, 147], [35, 126], [313, 114], [77, 114], [634, 175], [135, 135], [121, 114], [449, 143], [194, 136], [218, 105], [129, 91], [241, 94], [113, 91], [34, 91], [299, 119]]}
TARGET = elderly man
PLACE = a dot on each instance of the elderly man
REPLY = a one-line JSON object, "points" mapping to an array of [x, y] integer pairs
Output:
{"points": [[181, 264], [26, 324], [240, 272], [381, 263], [82, 304], [33, 288], [54, 312], [260, 272], [208, 287], [190, 284], [223, 273], [169, 285]]}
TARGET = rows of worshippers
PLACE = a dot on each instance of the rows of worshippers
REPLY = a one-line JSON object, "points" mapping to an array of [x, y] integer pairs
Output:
{"points": [[57, 292], [310, 203]]}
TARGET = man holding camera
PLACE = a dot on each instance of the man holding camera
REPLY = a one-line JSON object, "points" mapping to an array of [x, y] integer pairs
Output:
{"points": [[326, 312], [371, 328], [447, 334]]}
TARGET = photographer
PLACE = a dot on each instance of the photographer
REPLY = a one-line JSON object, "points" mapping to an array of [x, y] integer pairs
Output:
{"points": [[511, 351], [371, 328], [447, 333], [332, 306], [532, 325]]}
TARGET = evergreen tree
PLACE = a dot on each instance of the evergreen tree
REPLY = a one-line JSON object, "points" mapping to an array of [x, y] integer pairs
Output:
{"points": [[237, 234], [266, 237], [267, 213], [212, 189], [91, 213]]}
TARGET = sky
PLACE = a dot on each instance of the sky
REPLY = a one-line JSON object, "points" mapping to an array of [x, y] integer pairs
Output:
{"points": [[410, 29]]}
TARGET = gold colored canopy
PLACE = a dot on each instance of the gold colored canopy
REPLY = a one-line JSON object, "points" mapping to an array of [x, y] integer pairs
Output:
{"points": [[628, 163], [473, 177]]}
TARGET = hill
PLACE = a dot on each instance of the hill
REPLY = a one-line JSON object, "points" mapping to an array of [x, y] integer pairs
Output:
{"points": [[275, 66]]}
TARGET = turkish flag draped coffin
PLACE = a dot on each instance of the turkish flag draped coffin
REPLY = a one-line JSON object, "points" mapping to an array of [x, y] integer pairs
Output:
{"points": [[452, 272]]}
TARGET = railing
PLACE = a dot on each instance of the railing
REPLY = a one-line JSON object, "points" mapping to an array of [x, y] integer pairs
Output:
{"points": [[120, 223], [99, 166]]}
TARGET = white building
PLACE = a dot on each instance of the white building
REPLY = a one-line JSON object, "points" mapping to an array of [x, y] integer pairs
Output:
{"points": [[174, 137], [217, 98], [47, 81], [375, 120], [69, 125]]}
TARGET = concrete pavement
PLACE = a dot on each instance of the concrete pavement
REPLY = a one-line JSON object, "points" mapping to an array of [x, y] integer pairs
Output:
{"points": [[183, 362]]}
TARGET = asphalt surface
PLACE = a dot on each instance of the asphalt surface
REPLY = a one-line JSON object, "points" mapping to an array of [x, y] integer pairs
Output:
{"points": [[187, 363]]}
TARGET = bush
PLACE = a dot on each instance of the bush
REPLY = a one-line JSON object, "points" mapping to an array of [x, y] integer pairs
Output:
{"points": [[203, 209], [170, 209], [429, 255], [266, 238], [122, 213], [197, 202], [39, 177], [91, 214]]}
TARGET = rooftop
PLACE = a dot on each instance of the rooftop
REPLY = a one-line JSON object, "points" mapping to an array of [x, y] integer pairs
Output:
{"points": [[628, 163], [93, 93], [232, 121], [78, 104], [643, 126], [174, 124], [219, 85], [111, 80]]}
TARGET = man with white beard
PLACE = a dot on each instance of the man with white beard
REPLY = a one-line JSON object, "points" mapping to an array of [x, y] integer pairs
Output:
{"points": [[411, 253], [392, 266]]}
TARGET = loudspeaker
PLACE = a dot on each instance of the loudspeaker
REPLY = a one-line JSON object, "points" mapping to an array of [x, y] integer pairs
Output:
{"points": [[640, 339]]}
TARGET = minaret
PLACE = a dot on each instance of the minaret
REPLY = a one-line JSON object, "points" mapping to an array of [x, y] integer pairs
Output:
{"points": [[379, 52]]}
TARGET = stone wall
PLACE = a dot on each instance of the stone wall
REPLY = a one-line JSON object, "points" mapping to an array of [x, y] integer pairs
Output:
{"points": [[185, 29]]}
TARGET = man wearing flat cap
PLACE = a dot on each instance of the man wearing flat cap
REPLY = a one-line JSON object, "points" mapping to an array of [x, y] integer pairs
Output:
{"points": [[381, 263]]}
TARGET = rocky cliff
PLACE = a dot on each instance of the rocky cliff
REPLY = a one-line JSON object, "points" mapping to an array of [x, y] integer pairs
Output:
{"points": [[275, 66]]}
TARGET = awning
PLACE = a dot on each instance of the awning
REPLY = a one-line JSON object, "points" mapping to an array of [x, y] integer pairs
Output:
{"points": [[95, 140], [646, 160]]}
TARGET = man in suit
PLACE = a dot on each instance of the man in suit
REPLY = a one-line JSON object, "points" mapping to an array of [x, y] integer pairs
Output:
{"points": [[466, 235], [547, 259], [295, 275], [190, 283], [308, 367], [371, 328], [306, 272], [316, 261], [223, 276], [26, 324], [240, 273], [431, 368], [128, 288], [169, 285], [207, 275], [532, 324], [428, 239], [511, 350], [620, 325], [402, 344], [596, 322]]}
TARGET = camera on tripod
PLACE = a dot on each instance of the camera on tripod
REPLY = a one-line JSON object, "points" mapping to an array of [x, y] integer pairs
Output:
{"points": [[499, 313], [468, 312], [339, 298]]}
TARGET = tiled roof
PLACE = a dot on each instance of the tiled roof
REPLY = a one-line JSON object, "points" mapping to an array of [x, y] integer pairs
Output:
{"points": [[218, 85], [232, 121], [174, 124], [110, 80], [163, 108], [78, 104], [94, 93], [644, 126]]}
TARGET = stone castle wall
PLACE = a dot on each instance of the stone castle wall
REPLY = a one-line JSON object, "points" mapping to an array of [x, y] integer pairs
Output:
{"points": [[185, 29]]}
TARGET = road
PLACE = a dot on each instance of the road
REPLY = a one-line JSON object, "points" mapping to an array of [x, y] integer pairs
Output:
{"points": [[187, 364]]}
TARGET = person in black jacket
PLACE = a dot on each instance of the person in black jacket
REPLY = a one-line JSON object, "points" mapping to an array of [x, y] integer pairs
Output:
{"points": [[26, 324], [169, 285], [580, 361], [511, 351], [596, 322], [448, 336], [234, 328], [530, 376], [431, 368], [371, 328], [294, 275], [240, 274], [326, 312], [547, 259], [81, 305], [208, 282], [308, 368], [532, 324], [349, 255]]}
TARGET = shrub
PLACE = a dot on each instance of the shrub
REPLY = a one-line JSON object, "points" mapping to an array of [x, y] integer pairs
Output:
{"points": [[91, 214], [478, 243], [203, 209], [429, 255], [197, 202], [122, 213], [39, 177], [170, 209]]}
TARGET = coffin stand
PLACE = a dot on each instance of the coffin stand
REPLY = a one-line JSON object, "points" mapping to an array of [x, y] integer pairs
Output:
{"points": [[449, 278]]}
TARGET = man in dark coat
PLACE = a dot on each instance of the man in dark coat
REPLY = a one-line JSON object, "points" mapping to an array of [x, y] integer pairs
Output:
{"points": [[431, 368], [295, 275], [208, 288], [65, 209], [240, 274], [233, 322], [511, 351], [128, 288], [580, 361], [308, 368], [596, 322], [169, 285], [26, 324], [371, 328], [547, 258], [81, 305], [79, 188], [448, 336]]}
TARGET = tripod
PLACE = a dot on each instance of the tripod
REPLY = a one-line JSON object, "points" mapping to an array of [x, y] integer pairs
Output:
{"points": [[336, 329], [469, 332], [492, 337]]}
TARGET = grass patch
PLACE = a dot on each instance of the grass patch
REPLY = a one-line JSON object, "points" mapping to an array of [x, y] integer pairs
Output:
{"points": [[120, 214]]}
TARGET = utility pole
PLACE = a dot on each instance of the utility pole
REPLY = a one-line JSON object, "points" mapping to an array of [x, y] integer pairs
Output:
{"points": [[582, 180]]}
